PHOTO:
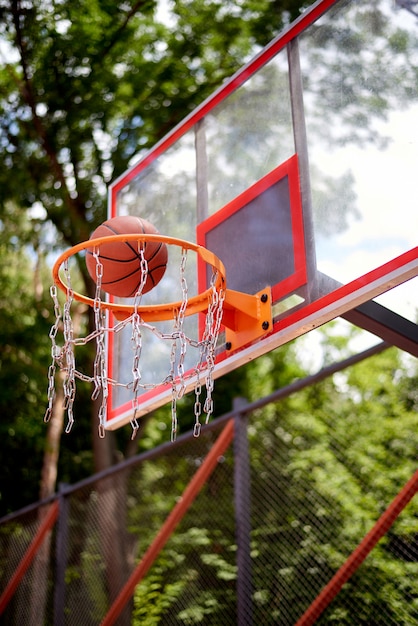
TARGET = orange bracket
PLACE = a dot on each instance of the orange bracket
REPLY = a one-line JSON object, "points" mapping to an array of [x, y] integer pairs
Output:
{"points": [[246, 317]]}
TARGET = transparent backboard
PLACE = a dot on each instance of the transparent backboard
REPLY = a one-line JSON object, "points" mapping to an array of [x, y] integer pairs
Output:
{"points": [[300, 174]]}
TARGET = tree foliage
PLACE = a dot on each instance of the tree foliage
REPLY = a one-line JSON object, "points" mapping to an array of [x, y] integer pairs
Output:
{"points": [[89, 85], [325, 463], [84, 87]]}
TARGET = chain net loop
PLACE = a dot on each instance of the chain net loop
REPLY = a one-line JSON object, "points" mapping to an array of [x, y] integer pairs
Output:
{"points": [[200, 376]]}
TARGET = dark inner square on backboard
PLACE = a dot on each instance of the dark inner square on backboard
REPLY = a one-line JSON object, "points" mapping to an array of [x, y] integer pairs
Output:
{"points": [[255, 243]]}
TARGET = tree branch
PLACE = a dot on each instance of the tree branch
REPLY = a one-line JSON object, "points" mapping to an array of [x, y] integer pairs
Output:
{"points": [[27, 93], [122, 27]]}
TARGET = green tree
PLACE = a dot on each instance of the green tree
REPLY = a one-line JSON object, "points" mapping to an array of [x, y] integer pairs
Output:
{"points": [[86, 87], [337, 453], [83, 88], [325, 463], [24, 355]]}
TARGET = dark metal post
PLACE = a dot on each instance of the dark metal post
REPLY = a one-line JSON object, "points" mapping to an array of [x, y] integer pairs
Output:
{"points": [[61, 557], [242, 497]]}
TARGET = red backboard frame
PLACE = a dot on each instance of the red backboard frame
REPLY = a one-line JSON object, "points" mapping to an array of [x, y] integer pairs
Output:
{"points": [[319, 305]]}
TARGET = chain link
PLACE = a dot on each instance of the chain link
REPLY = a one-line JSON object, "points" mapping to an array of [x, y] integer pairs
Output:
{"points": [[210, 339], [173, 413], [68, 352], [197, 405], [55, 353], [136, 339], [180, 326], [100, 379]]}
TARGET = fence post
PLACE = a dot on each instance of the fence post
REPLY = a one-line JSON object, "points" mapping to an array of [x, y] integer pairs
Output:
{"points": [[61, 557], [242, 497], [27, 559], [174, 518]]}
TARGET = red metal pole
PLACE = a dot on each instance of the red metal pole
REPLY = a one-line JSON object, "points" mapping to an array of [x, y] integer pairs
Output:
{"points": [[360, 553], [171, 522], [27, 559]]}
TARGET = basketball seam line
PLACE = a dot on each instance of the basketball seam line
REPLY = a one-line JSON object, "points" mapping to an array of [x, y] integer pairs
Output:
{"points": [[136, 257], [136, 252], [118, 280], [128, 243]]}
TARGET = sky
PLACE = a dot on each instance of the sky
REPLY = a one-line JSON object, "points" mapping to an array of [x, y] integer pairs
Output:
{"points": [[387, 198]]}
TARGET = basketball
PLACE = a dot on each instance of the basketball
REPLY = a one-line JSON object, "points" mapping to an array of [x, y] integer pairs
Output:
{"points": [[122, 260]]}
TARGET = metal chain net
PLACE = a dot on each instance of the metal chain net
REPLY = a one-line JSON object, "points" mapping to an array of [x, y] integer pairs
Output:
{"points": [[63, 356]]}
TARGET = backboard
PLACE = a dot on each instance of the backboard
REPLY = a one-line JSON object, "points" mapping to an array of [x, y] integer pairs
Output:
{"points": [[299, 174]]}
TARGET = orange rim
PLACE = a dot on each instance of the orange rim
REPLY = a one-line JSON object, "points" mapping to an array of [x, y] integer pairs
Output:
{"points": [[155, 312]]}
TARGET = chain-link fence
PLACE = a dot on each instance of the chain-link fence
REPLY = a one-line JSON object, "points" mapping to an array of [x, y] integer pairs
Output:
{"points": [[285, 506]]}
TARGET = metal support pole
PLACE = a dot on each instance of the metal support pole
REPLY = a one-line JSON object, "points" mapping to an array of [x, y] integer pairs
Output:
{"points": [[242, 498], [174, 518], [301, 145], [61, 557], [356, 558], [201, 171]]}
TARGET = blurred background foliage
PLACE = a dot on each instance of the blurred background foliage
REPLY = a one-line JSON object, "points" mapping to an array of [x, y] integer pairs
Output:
{"points": [[85, 89]]}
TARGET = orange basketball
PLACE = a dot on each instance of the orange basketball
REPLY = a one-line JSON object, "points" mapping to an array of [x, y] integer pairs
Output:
{"points": [[122, 260]]}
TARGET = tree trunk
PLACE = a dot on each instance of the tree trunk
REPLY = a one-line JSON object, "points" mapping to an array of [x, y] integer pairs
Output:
{"points": [[38, 597], [112, 503], [49, 474]]}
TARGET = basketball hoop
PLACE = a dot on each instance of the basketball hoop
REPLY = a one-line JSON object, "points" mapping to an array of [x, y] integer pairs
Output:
{"points": [[240, 309]]}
